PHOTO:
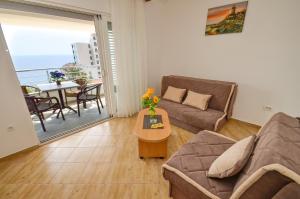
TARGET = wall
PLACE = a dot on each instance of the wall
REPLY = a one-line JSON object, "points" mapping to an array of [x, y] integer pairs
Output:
{"points": [[16, 129], [263, 60]]}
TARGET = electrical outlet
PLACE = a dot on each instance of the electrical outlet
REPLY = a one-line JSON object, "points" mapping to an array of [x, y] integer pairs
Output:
{"points": [[10, 129], [267, 108]]}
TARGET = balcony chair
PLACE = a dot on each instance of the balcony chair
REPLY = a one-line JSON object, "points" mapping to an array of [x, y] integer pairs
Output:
{"points": [[31, 90], [74, 93], [39, 105], [89, 93]]}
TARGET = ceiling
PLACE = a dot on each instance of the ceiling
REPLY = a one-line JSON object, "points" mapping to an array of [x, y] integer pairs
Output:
{"points": [[46, 21]]}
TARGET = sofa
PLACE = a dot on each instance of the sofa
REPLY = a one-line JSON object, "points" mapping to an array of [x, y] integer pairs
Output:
{"points": [[193, 119], [271, 172]]}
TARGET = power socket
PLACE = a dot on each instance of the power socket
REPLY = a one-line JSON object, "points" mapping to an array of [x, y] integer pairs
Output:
{"points": [[10, 129], [267, 108]]}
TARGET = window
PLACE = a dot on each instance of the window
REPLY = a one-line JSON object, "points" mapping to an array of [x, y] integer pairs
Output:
{"points": [[92, 63], [91, 58], [95, 43], [98, 62], [97, 56], [89, 45], [90, 51], [96, 49]]}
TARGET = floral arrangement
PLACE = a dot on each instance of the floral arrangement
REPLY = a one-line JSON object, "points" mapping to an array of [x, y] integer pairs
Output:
{"points": [[57, 76], [149, 101]]}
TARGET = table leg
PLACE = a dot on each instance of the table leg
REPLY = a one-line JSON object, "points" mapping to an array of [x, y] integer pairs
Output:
{"points": [[62, 103]]}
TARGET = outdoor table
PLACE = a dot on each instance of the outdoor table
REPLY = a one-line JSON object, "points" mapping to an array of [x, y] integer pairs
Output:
{"points": [[54, 87]]}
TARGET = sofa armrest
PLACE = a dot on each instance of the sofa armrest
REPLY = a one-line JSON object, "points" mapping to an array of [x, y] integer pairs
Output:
{"points": [[265, 182], [290, 191], [266, 186]]}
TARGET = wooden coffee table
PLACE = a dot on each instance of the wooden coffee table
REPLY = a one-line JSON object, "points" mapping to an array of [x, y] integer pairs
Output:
{"points": [[152, 142]]}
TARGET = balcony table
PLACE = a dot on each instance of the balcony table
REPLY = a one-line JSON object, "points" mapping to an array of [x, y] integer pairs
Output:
{"points": [[54, 87]]}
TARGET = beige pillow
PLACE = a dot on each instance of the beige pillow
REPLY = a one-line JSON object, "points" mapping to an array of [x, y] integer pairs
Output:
{"points": [[174, 94], [197, 100], [233, 159]]}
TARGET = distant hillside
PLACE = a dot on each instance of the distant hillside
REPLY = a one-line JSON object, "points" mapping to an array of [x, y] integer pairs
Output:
{"points": [[233, 23]]}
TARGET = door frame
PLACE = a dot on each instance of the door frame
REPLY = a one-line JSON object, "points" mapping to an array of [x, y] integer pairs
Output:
{"points": [[101, 30]]}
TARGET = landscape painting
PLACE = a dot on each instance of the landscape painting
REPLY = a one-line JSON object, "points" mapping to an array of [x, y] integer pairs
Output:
{"points": [[226, 19]]}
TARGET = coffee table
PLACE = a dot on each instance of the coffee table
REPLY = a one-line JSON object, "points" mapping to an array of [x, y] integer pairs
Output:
{"points": [[152, 142]]}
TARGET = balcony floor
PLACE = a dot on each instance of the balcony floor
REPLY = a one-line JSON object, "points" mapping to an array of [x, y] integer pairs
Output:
{"points": [[55, 126]]}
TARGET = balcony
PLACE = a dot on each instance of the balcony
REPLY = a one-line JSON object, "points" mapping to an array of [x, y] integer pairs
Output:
{"points": [[57, 126]]}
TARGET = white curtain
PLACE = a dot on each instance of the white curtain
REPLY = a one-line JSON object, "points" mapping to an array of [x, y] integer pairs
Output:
{"points": [[128, 22]]}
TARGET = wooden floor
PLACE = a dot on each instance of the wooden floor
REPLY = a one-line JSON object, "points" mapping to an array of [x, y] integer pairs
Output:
{"points": [[101, 162]]}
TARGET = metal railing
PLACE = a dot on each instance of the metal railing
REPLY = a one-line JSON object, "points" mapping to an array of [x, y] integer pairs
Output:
{"points": [[33, 77]]}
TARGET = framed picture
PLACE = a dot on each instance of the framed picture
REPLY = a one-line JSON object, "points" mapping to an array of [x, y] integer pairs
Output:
{"points": [[226, 19]]}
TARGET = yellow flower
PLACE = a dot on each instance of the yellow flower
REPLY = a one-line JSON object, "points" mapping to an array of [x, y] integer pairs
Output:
{"points": [[146, 96], [155, 99], [150, 91]]}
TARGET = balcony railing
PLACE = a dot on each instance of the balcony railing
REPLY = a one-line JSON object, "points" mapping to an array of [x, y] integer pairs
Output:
{"points": [[33, 77]]}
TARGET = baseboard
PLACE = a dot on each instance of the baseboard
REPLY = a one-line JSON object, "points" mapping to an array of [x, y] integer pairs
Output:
{"points": [[11, 156], [254, 125]]}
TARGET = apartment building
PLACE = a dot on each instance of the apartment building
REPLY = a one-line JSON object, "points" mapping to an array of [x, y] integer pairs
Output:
{"points": [[86, 56]]}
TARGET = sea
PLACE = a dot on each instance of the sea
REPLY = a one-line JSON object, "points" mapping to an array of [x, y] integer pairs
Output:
{"points": [[31, 62]]}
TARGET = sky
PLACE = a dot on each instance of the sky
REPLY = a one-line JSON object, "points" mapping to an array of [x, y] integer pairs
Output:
{"points": [[27, 40], [216, 15]]}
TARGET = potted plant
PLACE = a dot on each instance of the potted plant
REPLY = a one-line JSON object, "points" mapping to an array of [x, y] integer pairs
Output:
{"points": [[57, 77], [149, 101]]}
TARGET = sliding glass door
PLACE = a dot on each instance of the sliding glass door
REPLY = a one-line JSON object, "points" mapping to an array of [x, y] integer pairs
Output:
{"points": [[62, 61]]}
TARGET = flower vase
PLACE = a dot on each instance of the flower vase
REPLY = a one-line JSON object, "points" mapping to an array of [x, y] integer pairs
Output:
{"points": [[153, 119], [58, 83]]}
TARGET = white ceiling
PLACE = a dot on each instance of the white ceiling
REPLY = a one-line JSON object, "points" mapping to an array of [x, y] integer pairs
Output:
{"points": [[46, 21]]}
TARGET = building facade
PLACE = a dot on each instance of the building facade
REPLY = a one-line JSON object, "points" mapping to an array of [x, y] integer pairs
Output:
{"points": [[86, 56]]}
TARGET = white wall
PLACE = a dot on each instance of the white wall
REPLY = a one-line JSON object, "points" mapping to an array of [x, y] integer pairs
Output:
{"points": [[264, 60], [16, 128]]}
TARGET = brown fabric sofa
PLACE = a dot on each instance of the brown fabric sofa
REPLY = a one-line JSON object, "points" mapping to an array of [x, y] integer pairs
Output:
{"points": [[272, 172], [193, 119]]}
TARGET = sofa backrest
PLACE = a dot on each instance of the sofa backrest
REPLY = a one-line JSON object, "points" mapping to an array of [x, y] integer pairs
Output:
{"points": [[275, 161], [223, 92]]}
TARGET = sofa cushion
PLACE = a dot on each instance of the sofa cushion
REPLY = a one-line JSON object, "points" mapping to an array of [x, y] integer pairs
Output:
{"points": [[188, 166], [277, 149], [174, 94], [233, 159], [193, 116], [197, 100]]}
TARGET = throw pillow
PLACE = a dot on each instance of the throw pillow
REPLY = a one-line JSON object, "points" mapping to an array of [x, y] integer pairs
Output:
{"points": [[174, 94], [197, 100], [233, 159]]}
